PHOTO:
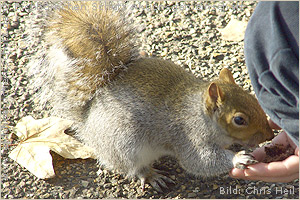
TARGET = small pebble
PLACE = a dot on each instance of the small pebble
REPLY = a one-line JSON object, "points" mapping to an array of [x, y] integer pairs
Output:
{"points": [[191, 195], [84, 183]]}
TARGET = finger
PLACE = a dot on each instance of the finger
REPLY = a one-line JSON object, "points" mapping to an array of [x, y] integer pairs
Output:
{"points": [[297, 151], [281, 138], [237, 173], [291, 142], [282, 179], [274, 169]]}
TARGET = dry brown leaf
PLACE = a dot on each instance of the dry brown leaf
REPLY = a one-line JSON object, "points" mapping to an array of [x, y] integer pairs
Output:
{"points": [[38, 137], [234, 31]]}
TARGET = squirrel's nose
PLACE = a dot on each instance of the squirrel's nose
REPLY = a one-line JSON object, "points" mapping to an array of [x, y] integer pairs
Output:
{"points": [[261, 136], [269, 133]]}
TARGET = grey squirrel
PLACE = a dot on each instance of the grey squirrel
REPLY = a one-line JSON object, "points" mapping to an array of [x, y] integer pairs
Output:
{"points": [[132, 110]]}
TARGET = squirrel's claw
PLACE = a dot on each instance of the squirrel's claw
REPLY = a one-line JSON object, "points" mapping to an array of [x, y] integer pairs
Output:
{"points": [[155, 178], [156, 186], [143, 180], [159, 181], [242, 159], [162, 177]]}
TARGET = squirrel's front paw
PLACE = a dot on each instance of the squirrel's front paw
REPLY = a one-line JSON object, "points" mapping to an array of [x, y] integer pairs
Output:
{"points": [[241, 160], [155, 177]]}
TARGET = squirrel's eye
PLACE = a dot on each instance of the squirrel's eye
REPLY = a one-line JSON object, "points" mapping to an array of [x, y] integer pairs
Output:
{"points": [[240, 120]]}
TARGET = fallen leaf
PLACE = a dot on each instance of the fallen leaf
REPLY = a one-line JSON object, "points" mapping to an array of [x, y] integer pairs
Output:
{"points": [[234, 31], [38, 137]]}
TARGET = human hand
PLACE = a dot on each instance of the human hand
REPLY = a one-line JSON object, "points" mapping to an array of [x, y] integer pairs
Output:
{"points": [[280, 171]]}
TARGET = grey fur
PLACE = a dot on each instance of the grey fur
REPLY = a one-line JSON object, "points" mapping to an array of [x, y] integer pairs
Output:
{"points": [[151, 109]]}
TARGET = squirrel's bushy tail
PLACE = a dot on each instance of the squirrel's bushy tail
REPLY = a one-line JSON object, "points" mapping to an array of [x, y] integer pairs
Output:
{"points": [[87, 46]]}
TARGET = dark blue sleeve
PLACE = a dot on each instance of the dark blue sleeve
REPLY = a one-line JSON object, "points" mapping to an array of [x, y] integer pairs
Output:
{"points": [[272, 58]]}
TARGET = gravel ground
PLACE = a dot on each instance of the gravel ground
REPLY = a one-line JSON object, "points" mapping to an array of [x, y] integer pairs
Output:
{"points": [[186, 33]]}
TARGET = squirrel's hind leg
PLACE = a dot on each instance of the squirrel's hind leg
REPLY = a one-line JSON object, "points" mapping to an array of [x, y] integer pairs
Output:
{"points": [[155, 177]]}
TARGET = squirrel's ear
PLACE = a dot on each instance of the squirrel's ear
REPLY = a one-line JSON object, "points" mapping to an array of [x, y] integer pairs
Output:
{"points": [[214, 98], [215, 93], [226, 76]]}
